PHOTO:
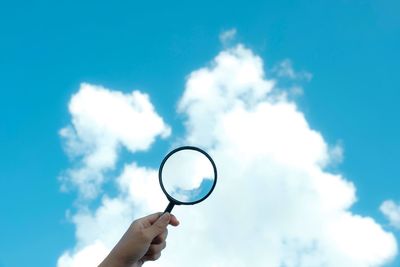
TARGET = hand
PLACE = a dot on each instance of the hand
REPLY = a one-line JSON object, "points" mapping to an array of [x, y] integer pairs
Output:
{"points": [[143, 241]]}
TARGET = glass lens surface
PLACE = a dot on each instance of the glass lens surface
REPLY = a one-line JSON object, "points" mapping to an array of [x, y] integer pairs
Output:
{"points": [[188, 175]]}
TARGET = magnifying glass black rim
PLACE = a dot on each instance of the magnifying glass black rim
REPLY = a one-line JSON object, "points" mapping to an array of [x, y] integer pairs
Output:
{"points": [[170, 198]]}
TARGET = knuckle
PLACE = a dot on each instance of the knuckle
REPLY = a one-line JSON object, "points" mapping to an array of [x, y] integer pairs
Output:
{"points": [[152, 250], [153, 257], [157, 256], [156, 240]]}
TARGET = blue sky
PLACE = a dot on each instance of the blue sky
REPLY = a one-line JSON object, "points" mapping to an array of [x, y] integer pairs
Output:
{"points": [[47, 49]]}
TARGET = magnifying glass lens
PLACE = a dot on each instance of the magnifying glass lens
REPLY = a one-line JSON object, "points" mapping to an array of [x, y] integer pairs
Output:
{"points": [[188, 176]]}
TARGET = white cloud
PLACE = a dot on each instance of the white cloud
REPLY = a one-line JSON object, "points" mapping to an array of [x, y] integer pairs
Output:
{"points": [[235, 75], [392, 212], [87, 256], [97, 231], [275, 203], [103, 121]]}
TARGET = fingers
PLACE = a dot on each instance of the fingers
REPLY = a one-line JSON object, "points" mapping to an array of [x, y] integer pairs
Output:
{"points": [[173, 221], [154, 252], [158, 226], [153, 257], [163, 236], [155, 224], [160, 238], [152, 218]]}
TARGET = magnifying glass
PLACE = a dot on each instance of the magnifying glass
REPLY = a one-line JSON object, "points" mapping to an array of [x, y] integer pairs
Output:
{"points": [[187, 176]]}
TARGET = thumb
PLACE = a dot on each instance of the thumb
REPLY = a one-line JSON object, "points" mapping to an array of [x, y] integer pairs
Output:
{"points": [[159, 226]]}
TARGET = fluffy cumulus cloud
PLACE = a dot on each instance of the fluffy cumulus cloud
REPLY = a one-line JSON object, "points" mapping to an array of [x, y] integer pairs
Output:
{"points": [[275, 204], [103, 121]]}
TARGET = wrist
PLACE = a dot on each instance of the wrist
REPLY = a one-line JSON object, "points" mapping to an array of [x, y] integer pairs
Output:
{"points": [[113, 261]]}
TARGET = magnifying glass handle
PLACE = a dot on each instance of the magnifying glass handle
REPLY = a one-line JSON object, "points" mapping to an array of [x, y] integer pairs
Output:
{"points": [[169, 207]]}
